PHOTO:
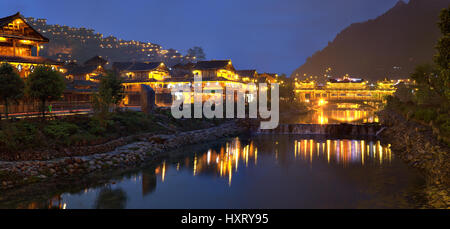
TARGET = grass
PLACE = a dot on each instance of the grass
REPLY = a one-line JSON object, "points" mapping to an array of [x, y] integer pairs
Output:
{"points": [[431, 116], [83, 130]]}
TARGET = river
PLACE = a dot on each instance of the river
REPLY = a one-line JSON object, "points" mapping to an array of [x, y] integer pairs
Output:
{"points": [[265, 171]]}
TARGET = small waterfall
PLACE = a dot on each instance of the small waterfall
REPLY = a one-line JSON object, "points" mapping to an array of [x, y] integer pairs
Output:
{"points": [[327, 129]]}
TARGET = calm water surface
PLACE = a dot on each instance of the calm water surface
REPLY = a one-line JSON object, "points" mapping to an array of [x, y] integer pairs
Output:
{"points": [[259, 172], [268, 171]]}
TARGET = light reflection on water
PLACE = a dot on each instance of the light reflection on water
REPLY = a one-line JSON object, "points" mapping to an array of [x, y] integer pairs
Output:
{"points": [[225, 161], [334, 116], [259, 172], [338, 113]]}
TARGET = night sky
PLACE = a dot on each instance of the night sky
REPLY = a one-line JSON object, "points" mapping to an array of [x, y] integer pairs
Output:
{"points": [[267, 35]]}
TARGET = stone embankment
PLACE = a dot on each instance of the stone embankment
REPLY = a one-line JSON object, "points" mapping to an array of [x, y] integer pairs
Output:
{"points": [[416, 145], [15, 173]]}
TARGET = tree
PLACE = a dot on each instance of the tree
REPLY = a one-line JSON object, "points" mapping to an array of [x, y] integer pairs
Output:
{"points": [[429, 89], [404, 94], [433, 81], [45, 84], [286, 87], [110, 93], [197, 52], [442, 58], [11, 85]]}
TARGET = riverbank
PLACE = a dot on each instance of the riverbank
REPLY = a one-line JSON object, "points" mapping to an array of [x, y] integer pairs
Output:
{"points": [[416, 145], [147, 146], [56, 137]]}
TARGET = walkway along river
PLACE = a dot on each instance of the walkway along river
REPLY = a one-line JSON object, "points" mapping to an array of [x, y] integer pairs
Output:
{"points": [[256, 171]]}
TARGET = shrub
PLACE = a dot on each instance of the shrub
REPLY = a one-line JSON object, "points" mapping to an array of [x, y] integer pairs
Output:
{"points": [[26, 132], [60, 130], [5, 141], [20, 135], [424, 114], [68, 131], [81, 137], [96, 127], [442, 118], [445, 128], [133, 122]]}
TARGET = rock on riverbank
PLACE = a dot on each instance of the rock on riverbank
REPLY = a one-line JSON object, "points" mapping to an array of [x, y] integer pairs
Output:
{"points": [[416, 145], [17, 173]]}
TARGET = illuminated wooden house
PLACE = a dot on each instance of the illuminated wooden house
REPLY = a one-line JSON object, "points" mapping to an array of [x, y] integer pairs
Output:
{"points": [[91, 70], [216, 75], [214, 69], [219, 75], [183, 71], [267, 77], [19, 46], [82, 81], [79, 92], [18, 42], [142, 71], [135, 74], [248, 75]]}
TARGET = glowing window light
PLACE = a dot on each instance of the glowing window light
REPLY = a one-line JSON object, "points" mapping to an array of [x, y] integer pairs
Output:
{"points": [[25, 41]]}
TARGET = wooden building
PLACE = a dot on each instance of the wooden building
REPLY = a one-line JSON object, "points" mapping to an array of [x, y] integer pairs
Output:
{"points": [[82, 81], [216, 74], [91, 70], [135, 74], [248, 75], [78, 93], [142, 71], [214, 69], [18, 42], [19, 46], [183, 71], [267, 77]]}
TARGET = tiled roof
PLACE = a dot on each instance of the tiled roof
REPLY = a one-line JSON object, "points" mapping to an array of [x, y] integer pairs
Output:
{"points": [[184, 66], [96, 61], [213, 64], [6, 20], [81, 86], [246, 73], [135, 66], [84, 83], [269, 74], [29, 59], [139, 80], [80, 70]]}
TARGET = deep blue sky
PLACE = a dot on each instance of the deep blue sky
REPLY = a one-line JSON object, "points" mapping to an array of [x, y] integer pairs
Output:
{"points": [[267, 35]]}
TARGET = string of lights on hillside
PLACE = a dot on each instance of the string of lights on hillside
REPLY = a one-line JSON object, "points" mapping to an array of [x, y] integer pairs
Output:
{"points": [[145, 51]]}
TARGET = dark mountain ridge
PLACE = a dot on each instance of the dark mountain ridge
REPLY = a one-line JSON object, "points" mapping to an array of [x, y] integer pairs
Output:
{"points": [[389, 46]]}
